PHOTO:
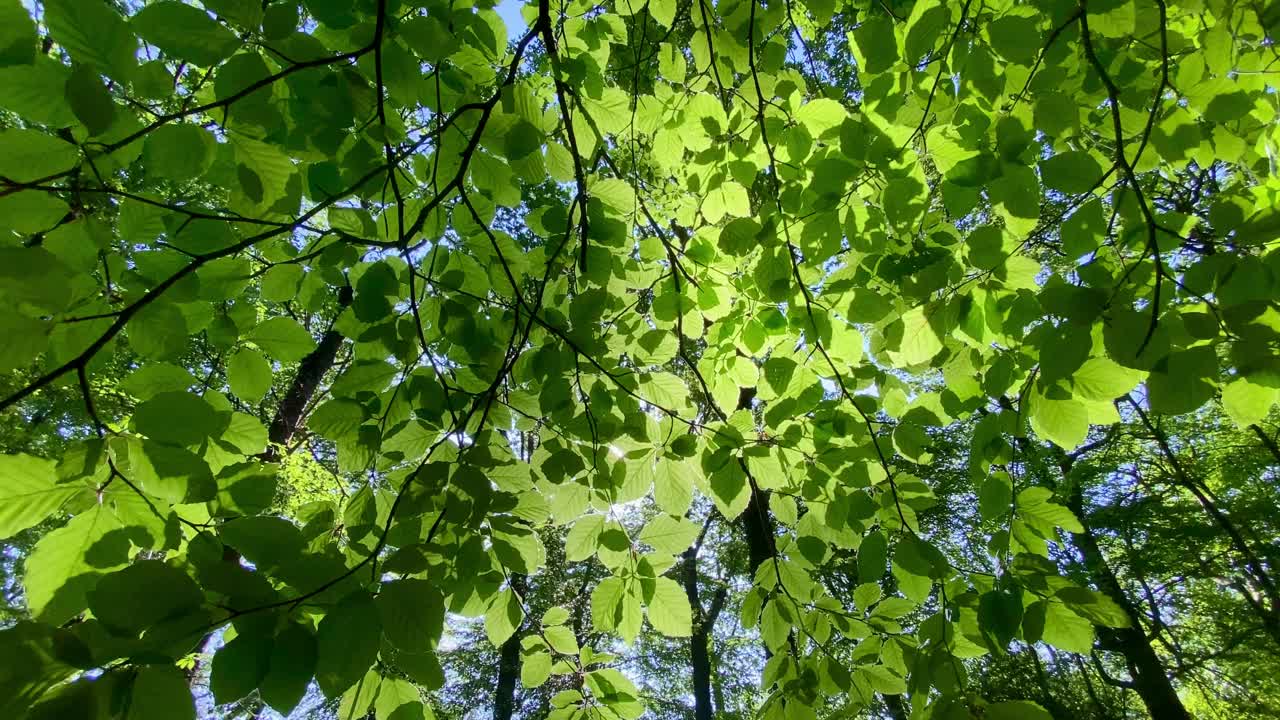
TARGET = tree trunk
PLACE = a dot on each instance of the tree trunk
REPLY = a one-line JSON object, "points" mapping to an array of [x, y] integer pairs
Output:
{"points": [[757, 525], [289, 416], [1255, 568], [761, 546], [699, 639], [504, 695], [1150, 680], [311, 370], [1047, 699]]}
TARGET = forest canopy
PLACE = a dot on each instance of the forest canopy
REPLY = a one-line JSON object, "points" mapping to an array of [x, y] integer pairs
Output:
{"points": [[669, 359]]}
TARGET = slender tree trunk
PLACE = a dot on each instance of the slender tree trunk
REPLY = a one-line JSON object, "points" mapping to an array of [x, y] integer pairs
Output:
{"points": [[504, 695], [700, 638], [756, 523], [288, 418], [1267, 441], [1047, 699], [1104, 711], [311, 370], [1150, 680], [1255, 568], [758, 527], [699, 661]]}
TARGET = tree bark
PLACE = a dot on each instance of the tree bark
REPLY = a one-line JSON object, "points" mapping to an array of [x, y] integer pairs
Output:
{"points": [[504, 694], [289, 416], [311, 370], [1047, 699], [758, 527], [1267, 441], [757, 524], [699, 639], [1150, 680]]}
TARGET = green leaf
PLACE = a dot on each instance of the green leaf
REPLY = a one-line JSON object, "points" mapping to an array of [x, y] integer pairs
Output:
{"points": [[663, 11], [142, 595], [1000, 615], [1065, 422], [729, 490], [89, 100], [1247, 403], [247, 14], [29, 492], [36, 92], [1034, 505], [729, 198], [289, 670], [244, 433], [583, 538], [1016, 38], [672, 486], [615, 194], [606, 599], [820, 115], [503, 617], [412, 613], [29, 155], [561, 639], [1095, 607], [67, 563], [245, 489], [358, 701], [919, 340], [519, 549], [399, 700], [249, 375], [238, 667], [348, 637], [628, 7], [1185, 381], [280, 283], [535, 669], [161, 692], [995, 497], [1054, 623], [177, 418], [669, 535], [93, 33], [17, 34], [36, 658], [179, 151], [1071, 172], [1016, 710], [667, 608], [1101, 378], [283, 339], [172, 473], [872, 555], [267, 542], [185, 33], [32, 211], [267, 165], [159, 331], [155, 378]]}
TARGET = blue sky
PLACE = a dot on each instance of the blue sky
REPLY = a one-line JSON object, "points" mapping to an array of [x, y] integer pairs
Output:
{"points": [[510, 12]]}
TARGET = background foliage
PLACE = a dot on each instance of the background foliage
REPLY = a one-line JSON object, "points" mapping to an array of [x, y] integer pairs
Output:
{"points": [[668, 358]]}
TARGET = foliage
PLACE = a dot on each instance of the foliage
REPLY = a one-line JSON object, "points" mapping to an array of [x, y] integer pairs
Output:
{"points": [[344, 338]]}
